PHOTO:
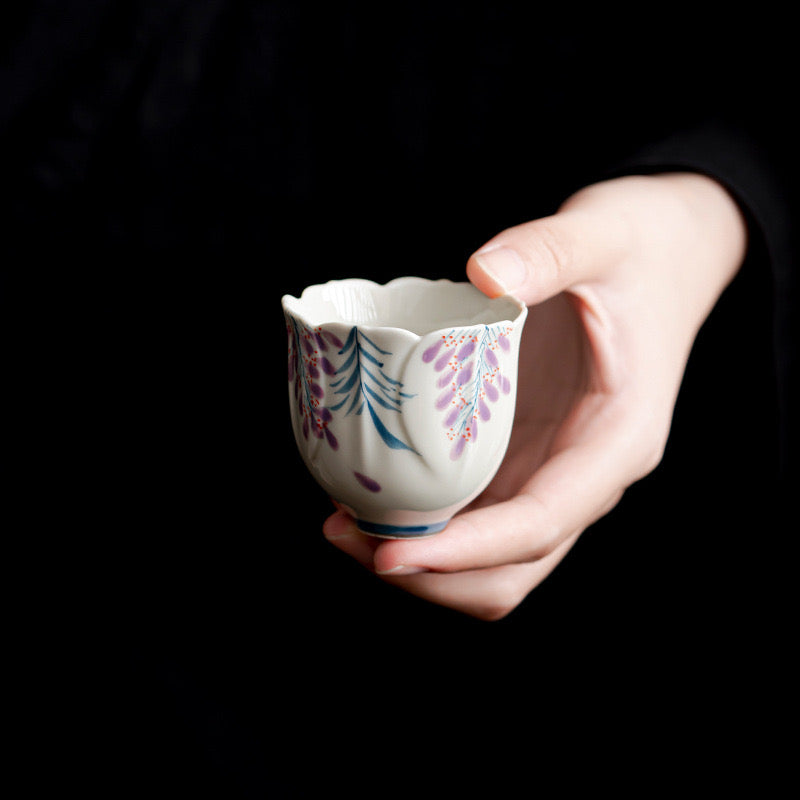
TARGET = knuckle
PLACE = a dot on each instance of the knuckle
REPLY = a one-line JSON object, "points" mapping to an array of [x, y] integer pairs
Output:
{"points": [[550, 246], [612, 502], [543, 534], [501, 596], [653, 457], [544, 548], [652, 443]]}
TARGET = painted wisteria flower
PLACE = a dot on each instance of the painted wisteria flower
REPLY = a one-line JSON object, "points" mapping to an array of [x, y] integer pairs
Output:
{"points": [[471, 378], [365, 386], [308, 358]]}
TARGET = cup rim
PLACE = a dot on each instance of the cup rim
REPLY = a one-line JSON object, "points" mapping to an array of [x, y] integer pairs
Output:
{"points": [[293, 305]]}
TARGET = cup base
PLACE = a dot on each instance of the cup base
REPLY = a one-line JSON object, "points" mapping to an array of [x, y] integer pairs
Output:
{"points": [[399, 531]]}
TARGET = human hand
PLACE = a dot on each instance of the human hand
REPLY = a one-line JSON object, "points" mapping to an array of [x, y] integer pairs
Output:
{"points": [[618, 282]]}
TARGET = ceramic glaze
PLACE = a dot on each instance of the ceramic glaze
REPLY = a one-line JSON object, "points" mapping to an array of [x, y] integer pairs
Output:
{"points": [[402, 395]]}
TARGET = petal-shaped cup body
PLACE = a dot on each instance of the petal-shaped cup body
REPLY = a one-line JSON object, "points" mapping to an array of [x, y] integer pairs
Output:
{"points": [[402, 395]]}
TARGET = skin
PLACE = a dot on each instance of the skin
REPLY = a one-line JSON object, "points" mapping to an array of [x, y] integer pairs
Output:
{"points": [[618, 282]]}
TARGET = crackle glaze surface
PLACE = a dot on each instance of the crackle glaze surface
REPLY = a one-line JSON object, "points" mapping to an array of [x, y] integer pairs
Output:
{"points": [[400, 416]]}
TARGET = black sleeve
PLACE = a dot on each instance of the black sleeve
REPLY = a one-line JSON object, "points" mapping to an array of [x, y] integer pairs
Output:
{"points": [[756, 170]]}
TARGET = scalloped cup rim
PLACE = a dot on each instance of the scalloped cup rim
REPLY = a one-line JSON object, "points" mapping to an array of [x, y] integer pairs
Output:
{"points": [[496, 309]]}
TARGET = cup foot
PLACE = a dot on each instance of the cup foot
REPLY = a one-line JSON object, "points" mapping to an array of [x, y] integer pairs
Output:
{"points": [[399, 531]]}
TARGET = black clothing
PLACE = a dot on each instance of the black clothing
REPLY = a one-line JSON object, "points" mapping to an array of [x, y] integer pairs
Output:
{"points": [[173, 169]]}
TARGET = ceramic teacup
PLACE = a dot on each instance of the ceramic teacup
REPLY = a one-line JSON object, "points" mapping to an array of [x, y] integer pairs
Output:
{"points": [[402, 395]]}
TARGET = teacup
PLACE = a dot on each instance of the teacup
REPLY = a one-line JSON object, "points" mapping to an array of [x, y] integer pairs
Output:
{"points": [[402, 395]]}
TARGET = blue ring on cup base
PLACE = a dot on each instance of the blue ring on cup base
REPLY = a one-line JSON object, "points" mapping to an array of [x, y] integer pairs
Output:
{"points": [[399, 531]]}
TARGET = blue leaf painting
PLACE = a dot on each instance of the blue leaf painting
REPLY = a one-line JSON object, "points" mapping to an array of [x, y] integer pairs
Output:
{"points": [[365, 385]]}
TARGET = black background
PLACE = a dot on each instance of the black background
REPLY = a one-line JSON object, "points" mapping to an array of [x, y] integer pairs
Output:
{"points": [[174, 169]]}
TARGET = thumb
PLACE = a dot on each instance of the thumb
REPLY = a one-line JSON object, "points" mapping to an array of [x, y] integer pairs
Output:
{"points": [[539, 259]]}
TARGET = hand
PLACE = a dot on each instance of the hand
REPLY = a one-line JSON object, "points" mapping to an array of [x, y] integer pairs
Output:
{"points": [[618, 282]]}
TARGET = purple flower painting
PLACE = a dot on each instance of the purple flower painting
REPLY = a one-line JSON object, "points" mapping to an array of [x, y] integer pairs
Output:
{"points": [[470, 380], [308, 358]]}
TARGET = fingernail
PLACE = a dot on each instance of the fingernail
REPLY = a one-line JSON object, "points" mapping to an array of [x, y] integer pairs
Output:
{"points": [[401, 569], [503, 266]]}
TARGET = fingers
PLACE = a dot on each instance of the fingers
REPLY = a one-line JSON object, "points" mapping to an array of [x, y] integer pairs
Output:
{"points": [[605, 445], [565, 496], [488, 594], [575, 487], [488, 559], [340, 530], [539, 259]]}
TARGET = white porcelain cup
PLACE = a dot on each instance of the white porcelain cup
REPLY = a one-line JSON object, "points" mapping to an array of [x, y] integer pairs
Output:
{"points": [[402, 395]]}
